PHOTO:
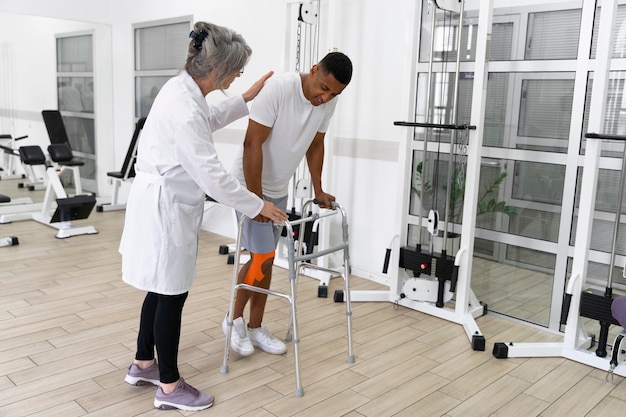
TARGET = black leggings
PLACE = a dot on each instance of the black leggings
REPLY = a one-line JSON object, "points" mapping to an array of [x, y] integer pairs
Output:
{"points": [[160, 326]]}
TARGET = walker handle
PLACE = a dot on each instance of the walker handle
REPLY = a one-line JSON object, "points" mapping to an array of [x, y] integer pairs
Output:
{"points": [[333, 205]]}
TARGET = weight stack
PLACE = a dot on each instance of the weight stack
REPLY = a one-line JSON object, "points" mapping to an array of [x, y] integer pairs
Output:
{"points": [[418, 262], [596, 306]]}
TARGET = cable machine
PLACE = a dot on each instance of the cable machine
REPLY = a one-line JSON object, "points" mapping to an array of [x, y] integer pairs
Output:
{"points": [[440, 275], [307, 46], [580, 301]]}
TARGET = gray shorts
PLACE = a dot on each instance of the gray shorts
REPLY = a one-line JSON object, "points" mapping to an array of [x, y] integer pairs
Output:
{"points": [[259, 237]]}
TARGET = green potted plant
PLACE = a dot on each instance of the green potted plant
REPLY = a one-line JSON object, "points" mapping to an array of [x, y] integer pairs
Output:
{"points": [[487, 198]]}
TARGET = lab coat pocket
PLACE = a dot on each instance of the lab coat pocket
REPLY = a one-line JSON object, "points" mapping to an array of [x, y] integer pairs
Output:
{"points": [[185, 223]]}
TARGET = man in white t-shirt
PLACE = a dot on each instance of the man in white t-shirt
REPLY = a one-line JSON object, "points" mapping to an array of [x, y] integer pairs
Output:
{"points": [[288, 120]]}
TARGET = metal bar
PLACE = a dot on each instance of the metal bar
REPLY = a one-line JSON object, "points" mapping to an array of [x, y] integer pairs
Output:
{"points": [[604, 136], [436, 125], [618, 216]]}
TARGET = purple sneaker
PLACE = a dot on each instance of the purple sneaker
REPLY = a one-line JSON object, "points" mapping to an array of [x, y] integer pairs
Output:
{"points": [[138, 376], [184, 397]]}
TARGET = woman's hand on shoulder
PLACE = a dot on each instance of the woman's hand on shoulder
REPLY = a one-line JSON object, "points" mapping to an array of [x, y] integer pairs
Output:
{"points": [[256, 87]]}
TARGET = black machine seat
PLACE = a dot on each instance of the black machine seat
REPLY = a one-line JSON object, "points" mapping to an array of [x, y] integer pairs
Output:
{"points": [[62, 154], [5, 198], [58, 137], [32, 155]]}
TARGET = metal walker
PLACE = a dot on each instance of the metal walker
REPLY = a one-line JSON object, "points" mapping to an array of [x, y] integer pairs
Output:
{"points": [[297, 261]]}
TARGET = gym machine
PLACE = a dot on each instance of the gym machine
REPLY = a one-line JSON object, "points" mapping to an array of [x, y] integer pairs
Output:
{"points": [[67, 208], [438, 276], [580, 302], [9, 240], [126, 173], [9, 148], [576, 343]]}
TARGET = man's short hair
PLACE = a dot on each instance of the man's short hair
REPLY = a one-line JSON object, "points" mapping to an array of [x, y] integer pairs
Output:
{"points": [[339, 65]]}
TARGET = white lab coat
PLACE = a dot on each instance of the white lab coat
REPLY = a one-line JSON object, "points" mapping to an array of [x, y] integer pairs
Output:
{"points": [[177, 164]]}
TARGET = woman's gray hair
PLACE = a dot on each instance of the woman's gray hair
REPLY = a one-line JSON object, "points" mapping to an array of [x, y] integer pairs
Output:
{"points": [[216, 48]]}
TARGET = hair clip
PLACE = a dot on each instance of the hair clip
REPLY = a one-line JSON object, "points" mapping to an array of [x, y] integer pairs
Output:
{"points": [[198, 38]]}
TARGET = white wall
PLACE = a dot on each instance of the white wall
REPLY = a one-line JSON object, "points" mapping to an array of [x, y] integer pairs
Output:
{"points": [[365, 151], [28, 82]]}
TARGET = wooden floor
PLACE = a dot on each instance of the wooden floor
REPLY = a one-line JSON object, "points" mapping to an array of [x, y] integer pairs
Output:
{"points": [[68, 326]]}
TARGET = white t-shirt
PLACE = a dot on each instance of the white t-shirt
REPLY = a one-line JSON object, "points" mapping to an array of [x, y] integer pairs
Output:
{"points": [[282, 106]]}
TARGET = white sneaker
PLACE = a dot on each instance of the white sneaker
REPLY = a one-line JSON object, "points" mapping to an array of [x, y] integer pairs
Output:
{"points": [[239, 340], [262, 338]]}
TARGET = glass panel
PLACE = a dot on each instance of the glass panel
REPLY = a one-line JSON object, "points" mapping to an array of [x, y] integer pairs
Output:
{"points": [[80, 132], [598, 274], [553, 35], [614, 122], [74, 54], [516, 288], [161, 47], [604, 213], [87, 174], [75, 94], [519, 285], [146, 89], [442, 102], [496, 109], [436, 185], [446, 30], [494, 209], [619, 33], [546, 108], [539, 182]]}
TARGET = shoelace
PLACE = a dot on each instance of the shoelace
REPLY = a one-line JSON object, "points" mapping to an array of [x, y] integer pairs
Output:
{"points": [[188, 388]]}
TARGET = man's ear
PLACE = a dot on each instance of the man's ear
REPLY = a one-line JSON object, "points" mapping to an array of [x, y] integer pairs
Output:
{"points": [[314, 69]]}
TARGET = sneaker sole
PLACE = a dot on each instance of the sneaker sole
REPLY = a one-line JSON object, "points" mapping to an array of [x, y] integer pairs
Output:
{"points": [[269, 350], [137, 381], [164, 405]]}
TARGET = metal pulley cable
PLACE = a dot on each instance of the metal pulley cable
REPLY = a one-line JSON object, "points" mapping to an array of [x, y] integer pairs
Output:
{"points": [[433, 12], [451, 160]]}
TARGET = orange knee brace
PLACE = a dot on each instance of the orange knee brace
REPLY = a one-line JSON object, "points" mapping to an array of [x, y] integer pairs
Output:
{"points": [[255, 272]]}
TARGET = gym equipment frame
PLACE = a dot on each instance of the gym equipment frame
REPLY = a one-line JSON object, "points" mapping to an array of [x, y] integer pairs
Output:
{"points": [[127, 173], [11, 156], [578, 303], [9, 240], [576, 341], [454, 272], [67, 208]]}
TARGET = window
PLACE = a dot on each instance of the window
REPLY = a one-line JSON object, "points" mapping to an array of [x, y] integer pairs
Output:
{"points": [[553, 35], [160, 53], [75, 95]]}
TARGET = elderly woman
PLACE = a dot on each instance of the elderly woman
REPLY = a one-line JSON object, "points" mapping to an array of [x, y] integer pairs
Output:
{"points": [[177, 166]]}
